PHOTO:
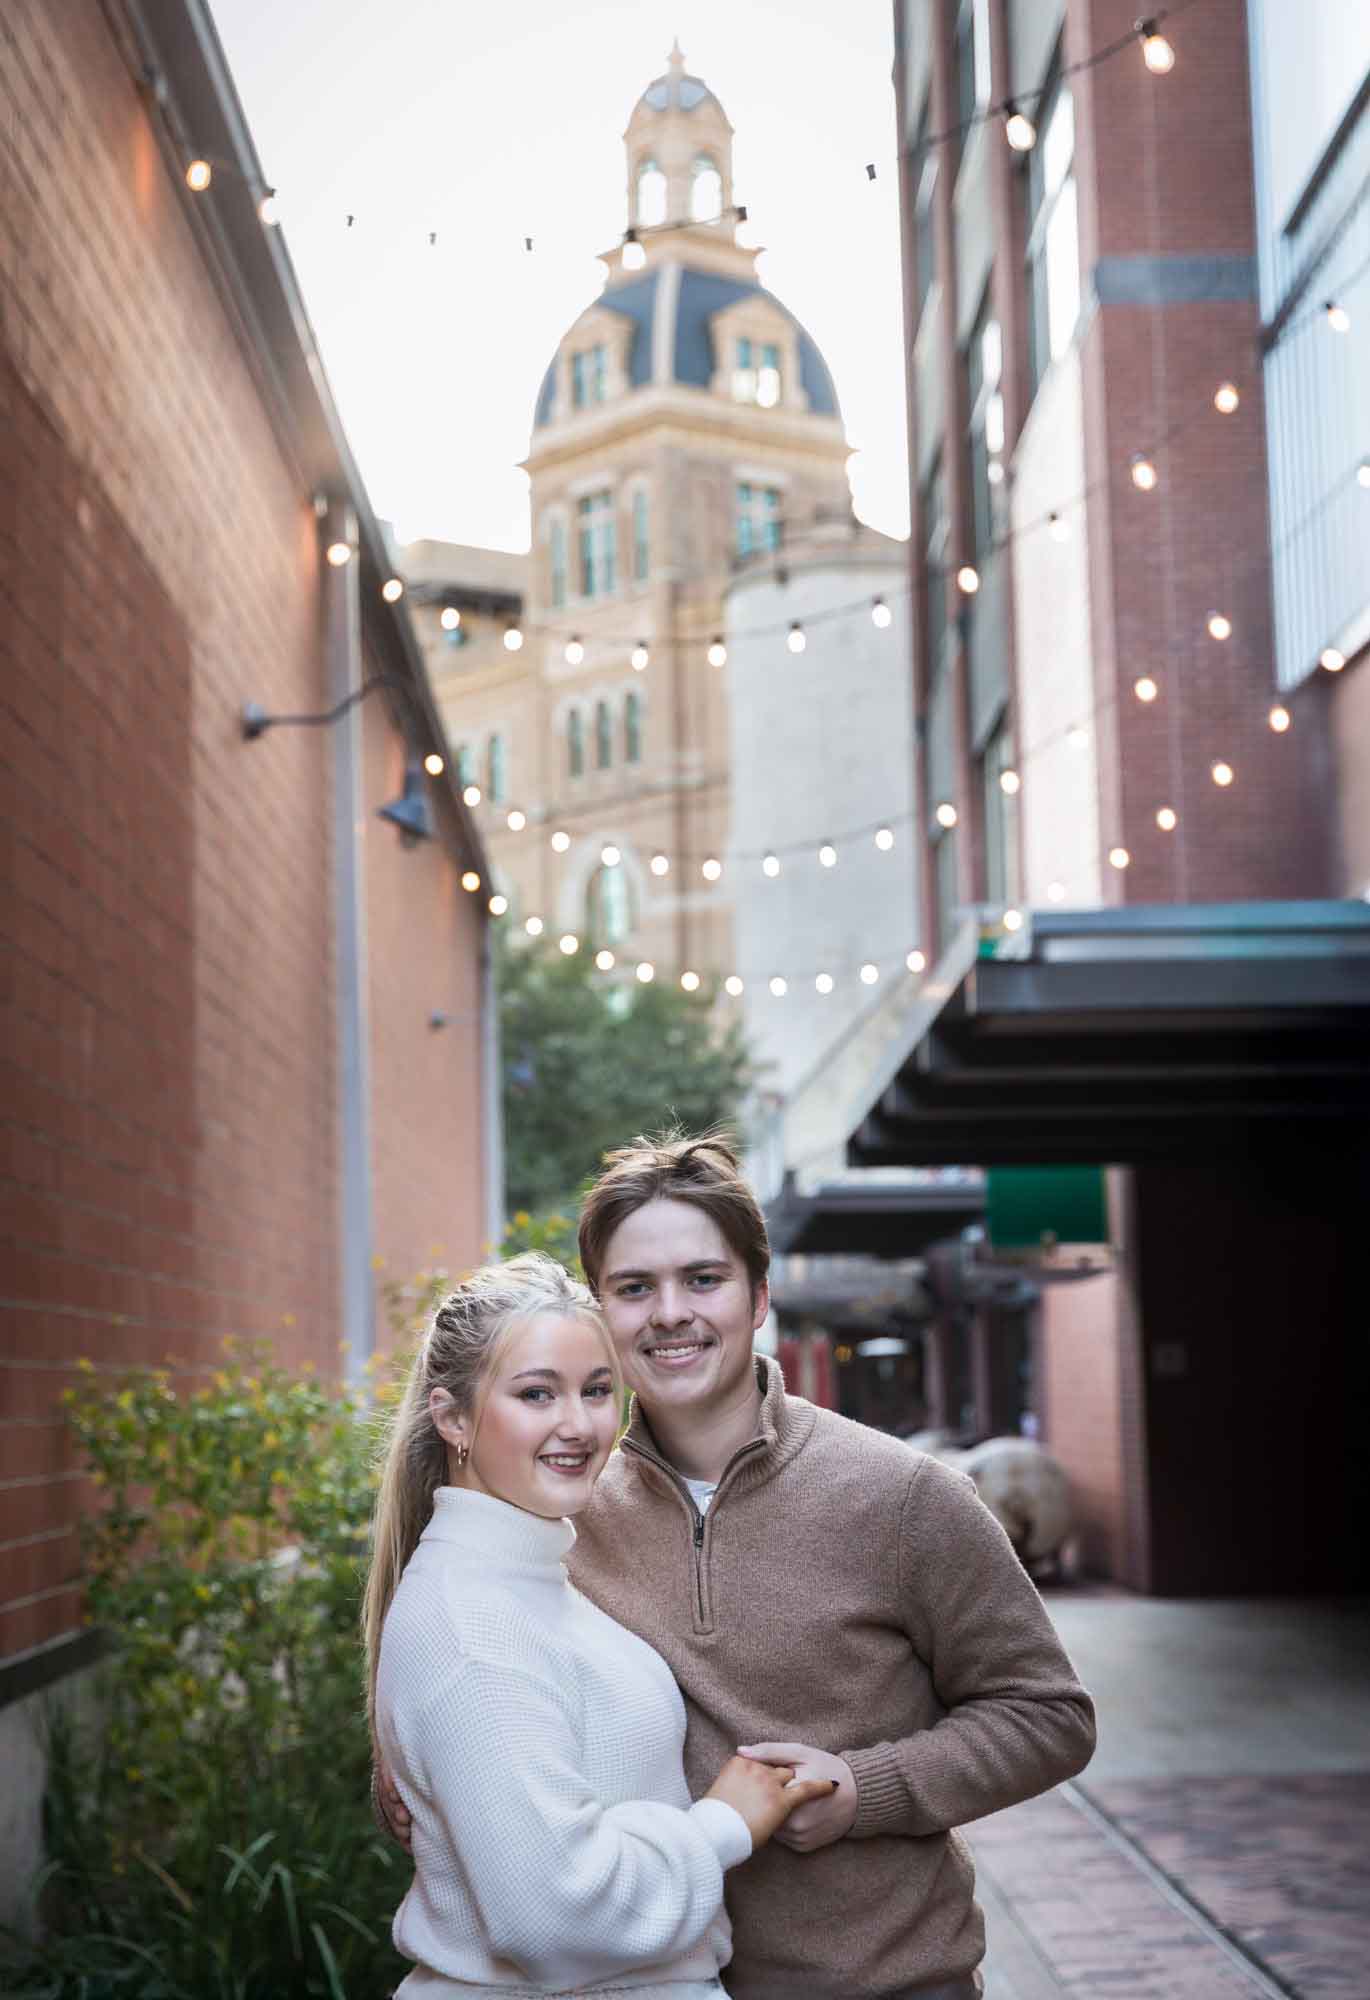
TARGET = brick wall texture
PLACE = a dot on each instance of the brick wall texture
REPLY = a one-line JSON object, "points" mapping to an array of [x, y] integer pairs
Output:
{"points": [[168, 1123]]}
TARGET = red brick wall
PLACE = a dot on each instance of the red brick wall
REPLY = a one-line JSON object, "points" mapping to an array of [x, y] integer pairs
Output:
{"points": [[168, 1126], [424, 958]]}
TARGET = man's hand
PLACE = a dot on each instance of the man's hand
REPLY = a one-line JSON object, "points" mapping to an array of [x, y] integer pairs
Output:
{"points": [[821, 1821], [390, 1808]]}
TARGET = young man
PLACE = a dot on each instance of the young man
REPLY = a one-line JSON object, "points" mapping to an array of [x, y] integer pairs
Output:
{"points": [[824, 1596]]}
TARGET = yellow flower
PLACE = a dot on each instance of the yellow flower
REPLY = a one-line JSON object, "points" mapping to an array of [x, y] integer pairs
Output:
{"points": [[522, 1219], [271, 1440], [86, 1366], [133, 1774], [124, 1399]]}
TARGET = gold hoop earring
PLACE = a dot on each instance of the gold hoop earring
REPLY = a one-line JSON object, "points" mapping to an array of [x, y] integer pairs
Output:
{"points": [[461, 1453]]}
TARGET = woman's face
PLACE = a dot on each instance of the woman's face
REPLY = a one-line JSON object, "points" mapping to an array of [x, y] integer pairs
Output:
{"points": [[548, 1421]]}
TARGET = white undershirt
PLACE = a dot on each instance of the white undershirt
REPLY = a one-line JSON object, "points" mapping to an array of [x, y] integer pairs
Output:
{"points": [[702, 1492]]}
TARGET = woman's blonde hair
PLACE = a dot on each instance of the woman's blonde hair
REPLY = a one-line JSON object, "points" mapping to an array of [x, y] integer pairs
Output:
{"points": [[461, 1346]]}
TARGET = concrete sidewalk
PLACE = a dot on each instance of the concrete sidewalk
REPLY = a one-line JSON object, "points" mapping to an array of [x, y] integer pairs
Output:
{"points": [[1218, 1847]]}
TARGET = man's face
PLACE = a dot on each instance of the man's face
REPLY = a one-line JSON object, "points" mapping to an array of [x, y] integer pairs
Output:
{"points": [[680, 1307]]}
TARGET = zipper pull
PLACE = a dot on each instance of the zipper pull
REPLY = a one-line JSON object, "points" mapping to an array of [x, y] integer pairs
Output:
{"points": [[699, 1531]]}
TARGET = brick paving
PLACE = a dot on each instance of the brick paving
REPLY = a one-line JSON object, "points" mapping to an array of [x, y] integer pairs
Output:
{"points": [[1281, 1864], [1076, 1917]]}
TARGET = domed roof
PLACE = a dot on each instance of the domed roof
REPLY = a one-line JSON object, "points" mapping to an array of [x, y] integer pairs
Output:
{"points": [[697, 296], [676, 91]]}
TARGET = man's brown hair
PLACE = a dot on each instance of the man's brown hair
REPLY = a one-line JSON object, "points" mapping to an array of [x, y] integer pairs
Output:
{"points": [[703, 1172]]}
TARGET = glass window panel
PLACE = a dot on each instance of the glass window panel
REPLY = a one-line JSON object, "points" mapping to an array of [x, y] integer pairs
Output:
{"points": [[604, 736], [632, 728], [558, 552], [641, 550], [575, 743], [1061, 257], [1058, 143], [495, 774], [608, 906]]}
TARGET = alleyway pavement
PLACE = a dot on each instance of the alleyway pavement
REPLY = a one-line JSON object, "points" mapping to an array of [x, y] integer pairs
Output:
{"points": [[1218, 1847]]}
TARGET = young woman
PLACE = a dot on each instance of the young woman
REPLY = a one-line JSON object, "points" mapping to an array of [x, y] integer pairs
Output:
{"points": [[536, 1743]]}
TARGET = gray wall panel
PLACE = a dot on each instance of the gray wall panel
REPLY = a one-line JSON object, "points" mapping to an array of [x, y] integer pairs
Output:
{"points": [[917, 63], [1033, 27], [974, 228], [928, 386]]}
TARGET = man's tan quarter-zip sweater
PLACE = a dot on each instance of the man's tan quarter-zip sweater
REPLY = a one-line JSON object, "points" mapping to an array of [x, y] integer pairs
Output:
{"points": [[846, 1592]]}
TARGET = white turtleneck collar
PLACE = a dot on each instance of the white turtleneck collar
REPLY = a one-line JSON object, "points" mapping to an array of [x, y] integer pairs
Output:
{"points": [[496, 1531]]}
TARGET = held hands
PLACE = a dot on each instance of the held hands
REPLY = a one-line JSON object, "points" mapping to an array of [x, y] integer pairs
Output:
{"points": [[765, 1793], [832, 1806]]}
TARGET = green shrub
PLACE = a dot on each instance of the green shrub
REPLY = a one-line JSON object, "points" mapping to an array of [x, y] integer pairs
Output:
{"points": [[213, 1839]]}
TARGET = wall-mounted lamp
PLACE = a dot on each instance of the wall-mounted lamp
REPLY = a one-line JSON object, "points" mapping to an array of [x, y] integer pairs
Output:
{"points": [[410, 812]]}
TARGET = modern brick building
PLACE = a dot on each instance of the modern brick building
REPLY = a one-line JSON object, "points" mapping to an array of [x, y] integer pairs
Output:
{"points": [[1141, 792], [224, 1105]]}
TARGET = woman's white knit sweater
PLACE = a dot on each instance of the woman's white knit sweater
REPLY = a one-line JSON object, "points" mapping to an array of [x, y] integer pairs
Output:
{"points": [[538, 1746]]}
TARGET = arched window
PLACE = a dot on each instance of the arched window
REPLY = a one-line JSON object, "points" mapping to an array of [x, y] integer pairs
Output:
{"points": [[575, 743], [609, 914], [604, 736], [632, 728], [706, 190], [495, 773], [651, 195]]}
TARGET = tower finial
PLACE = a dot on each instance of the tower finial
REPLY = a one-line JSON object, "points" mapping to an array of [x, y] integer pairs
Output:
{"points": [[677, 57]]}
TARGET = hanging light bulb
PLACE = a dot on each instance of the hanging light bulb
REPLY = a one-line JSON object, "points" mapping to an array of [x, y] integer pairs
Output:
{"points": [[827, 855], [450, 619], [1144, 474], [646, 972], [392, 590], [1219, 625], [1010, 782], [1363, 473], [1058, 528], [1078, 737], [884, 839], [516, 820], [1226, 398], [1157, 53], [732, 986], [1118, 857], [604, 960], [869, 974], [711, 868], [1056, 892], [1145, 689], [533, 926], [561, 840], [881, 615], [575, 652], [1167, 819], [946, 814], [770, 865], [1013, 920], [338, 554], [1223, 774], [610, 855], [796, 641], [1332, 658], [471, 795], [498, 906], [433, 764], [780, 987], [718, 654], [569, 944], [915, 961], [513, 640], [470, 881], [690, 981], [634, 256], [823, 982], [1019, 129], [1280, 719], [199, 174], [1338, 318], [269, 210], [660, 865], [968, 579], [639, 656]]}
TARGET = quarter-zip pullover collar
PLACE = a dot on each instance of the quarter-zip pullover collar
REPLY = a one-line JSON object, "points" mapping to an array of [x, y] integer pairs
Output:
{"points": [[783, 1427]]}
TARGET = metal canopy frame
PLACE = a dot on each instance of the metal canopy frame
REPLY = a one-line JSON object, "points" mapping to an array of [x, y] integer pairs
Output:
{"points": [[878, 1218], [1110, 1037]]}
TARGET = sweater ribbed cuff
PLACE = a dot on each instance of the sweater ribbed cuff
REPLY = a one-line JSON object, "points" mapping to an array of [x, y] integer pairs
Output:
{"points": [[882, 1799], [725, 1829]]}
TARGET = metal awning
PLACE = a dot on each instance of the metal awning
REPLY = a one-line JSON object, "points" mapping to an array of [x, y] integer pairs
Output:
{"points": [[872, 1215], [1116, 1036]]}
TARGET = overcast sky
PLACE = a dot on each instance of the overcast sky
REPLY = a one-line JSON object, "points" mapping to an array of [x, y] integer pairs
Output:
{"points": [[490, 123]]}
